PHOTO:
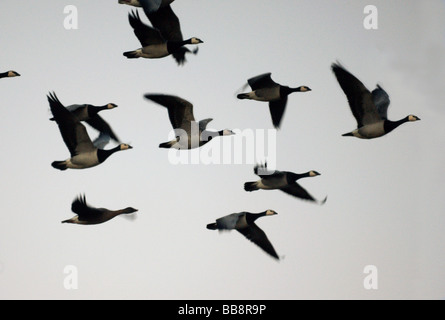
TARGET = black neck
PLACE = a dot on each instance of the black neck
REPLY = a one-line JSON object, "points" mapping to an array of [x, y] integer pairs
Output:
{"points": [[93, 110], [292, 177], [287, 90], [173, 46], [103, 155], [251, 217], [4, 75], [391, 125]]}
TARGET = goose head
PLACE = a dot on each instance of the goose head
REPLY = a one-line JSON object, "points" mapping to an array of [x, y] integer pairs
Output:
{"points": [[270, 212], [304, 89], [12, 74], [124, 146], [129, 210], [196, 41], [111, 106], [314, 173], [227, 132], [412, 118]]}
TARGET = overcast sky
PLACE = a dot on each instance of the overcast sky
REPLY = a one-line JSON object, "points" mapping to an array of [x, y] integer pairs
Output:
{"points": [[385, 203]]}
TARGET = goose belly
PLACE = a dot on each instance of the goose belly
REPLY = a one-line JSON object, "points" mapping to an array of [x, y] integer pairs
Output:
{"points": [[155, 51], [266, 94], [84, 160], [370, 131]]}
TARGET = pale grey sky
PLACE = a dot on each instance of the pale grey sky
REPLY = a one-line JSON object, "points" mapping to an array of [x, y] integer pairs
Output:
{"points": [[385, 205]]}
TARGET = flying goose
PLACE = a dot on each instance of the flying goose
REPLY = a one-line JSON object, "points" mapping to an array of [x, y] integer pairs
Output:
{"points": [[282, 180], [90, 114], [9, 74], [154, 45], [84, 153], [369, 109], [190, 134], [266, 90], [87, 215], [244, 223], [162, 18]]}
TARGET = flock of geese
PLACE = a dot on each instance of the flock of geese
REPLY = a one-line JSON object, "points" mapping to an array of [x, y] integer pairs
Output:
{"points": [[162, 39]]}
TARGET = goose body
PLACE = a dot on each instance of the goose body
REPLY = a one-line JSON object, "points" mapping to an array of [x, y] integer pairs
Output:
{"points": [[154, 45], [189, 133], [266, 90], [370, 109], [88, 215], [84, 152], [9, 74], [282, 180], [90, 114], [244, 223]]}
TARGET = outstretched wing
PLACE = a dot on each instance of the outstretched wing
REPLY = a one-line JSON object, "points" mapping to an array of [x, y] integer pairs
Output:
{"points": [[298, 191], [261, 81], [180, 111], [277, 109], [359, 98], [98, 123], [83, 210], [257, 236], [146, 34]]}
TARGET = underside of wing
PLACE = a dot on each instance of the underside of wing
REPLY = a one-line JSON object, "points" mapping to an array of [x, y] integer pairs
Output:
{"points": [[180, 111], [261, 81], [381, 101], [359, 98], [98, 123], [257, 236]]}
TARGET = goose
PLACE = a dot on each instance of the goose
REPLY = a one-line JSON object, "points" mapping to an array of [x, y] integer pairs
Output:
{"points": [[282, 180], [154, 45], [162, 18], [9, 74], [90, 114], [244, 223], [266, 90], [87, 215], [84, 153], [180, 112], [370, 109]]}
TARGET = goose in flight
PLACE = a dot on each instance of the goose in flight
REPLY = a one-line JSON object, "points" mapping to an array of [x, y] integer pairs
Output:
{"points": [[370, 109], [154, 44], [244, 223], [189, 133], [90, 114], [282, 180], [9, 74], [84, 153], [88, 215], [266, 90]]}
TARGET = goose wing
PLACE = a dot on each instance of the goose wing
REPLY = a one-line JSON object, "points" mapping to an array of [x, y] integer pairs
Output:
{"points": [[83, 210], [150, 5], [73, 133], [359, 98], [228, 222], [297, 191], [381, 101], [146, 34], [98, 123], [257, 236], [180, 111], [277, 109], [261, 81], [166, 21], [102, 140]]}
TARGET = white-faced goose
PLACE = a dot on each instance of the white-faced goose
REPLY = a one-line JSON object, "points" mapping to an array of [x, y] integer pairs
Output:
{"points": [[154, 45], [266, 90], [190, 134], [84, 153], [9, 74], [282, 180], [87, 215], [90, 114], [244, 223], [369, 109]]}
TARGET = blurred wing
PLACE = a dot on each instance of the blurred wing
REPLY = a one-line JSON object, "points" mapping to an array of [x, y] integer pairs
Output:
{"points": [[228, 222], [297, 191], [180, 111], [277, 109], [359, 98], [166, 21], [381, 101], [98, 123], [150, 5], [257, 236], [83, 210], [102, 140], [261, 81], [146, 34]]}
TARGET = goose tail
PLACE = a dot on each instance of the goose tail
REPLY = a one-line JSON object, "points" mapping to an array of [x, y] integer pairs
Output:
{"points": [[212, 226], [61, 165], [349, 134], [250, 186], [242, 96], [131, 54]]}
